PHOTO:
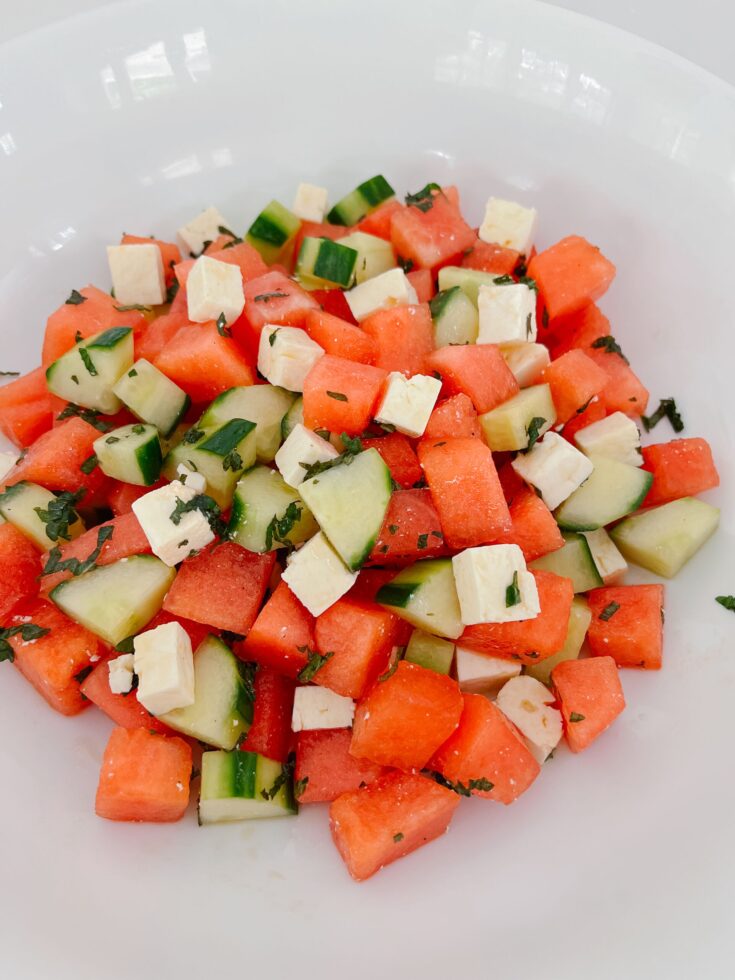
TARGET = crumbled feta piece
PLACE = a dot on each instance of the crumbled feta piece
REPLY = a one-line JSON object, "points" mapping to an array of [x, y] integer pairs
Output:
{"points": [[7, 462], [554, 467], [317, 576], [214, 289], [615, 436], [191, 479], [527, 703], [494, 585], [318, 707], [508, 224], [197, 233], [286, 355], [120, 673], [310, 203], [172, 542], [525, 360], [610, 563], [407, 403], [302, 446], [480, 674], [506, 313], [391, 288], [137, 274], [164, 663]]}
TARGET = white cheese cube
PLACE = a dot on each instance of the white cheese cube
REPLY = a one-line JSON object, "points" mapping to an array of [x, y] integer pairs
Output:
{"points": [[197, 233], [192, 479], [120, 673], [508, 224], [391, 288], [610, 563], [7, 462], [483, 577], [615, 436], [172, 542], [302, 446], [526, 361], [507, 313], [286, 355], [318, 707], [137, 274], [317, 576], [214, 289], [479, 674], [310, 203], [164, 663], [554, 467], [527, 703], [407, 403]]}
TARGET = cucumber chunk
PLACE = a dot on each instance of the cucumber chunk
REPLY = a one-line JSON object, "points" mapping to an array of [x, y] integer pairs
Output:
{"points": [[365, 198], [612, 490], [374, 255], [272, 231], [529, 414], [326, 264], [131, 453], [349, 501], [429, 651], [223, 706], [425, 596], [664, 538], [243, 786], [468, 280], [573, 561], [265, 405], [20, 505], [219, 454], [267, 513], [152, 397], [579, 621], [293, 417], [87, 373], [455, 317], [116, 601]]}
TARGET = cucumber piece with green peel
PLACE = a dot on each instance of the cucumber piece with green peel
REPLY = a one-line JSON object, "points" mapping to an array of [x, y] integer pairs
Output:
{"points": [[223, 705], [272, 231], [573, 561], [325, 264], [267, 513], [131, 454], [220, 454], [25, 505], [455, 316], [243, 786], [374, 255], [425, 595], [86, 374], [580, 618], [266, 405], [152, 397], [349, 501], [429, 651], [468, 280], [116, 601], [613, 490], [522, 419], [365, 198], [663, 539], [293, 417]]}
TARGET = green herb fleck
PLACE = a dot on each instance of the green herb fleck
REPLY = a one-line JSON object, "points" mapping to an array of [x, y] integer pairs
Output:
{"points": [[610, 346], [193, 435], [512, 592], [134, 306], [397, 838], [87, 361], [28, 633], [280, 527], [609, 611], [74, 565], [405, 264], [353, 446], [423, 199], [60, 514], [728, 601], [314, 663], [9, 374], [83, 674], [575, 717], [223, 230], [422, 542], [86, 414], [132, 373], [272, 337], [533, 431], [392, 528], [232, 461], [206, 506], [505, 280], [267, 297], [222, 329], [300, 786], [138, 429], [338, 396], [89, 464], [666, 409], [283, 777], [75, 298]]}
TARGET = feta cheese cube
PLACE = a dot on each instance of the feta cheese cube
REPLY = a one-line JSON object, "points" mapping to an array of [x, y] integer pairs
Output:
{"points": [[164, 663], [137, 274], [391, 288], [310, 203], [527, 703], [286, 355], [407, 403], [172, 542], [507, 313], [610, 563], [479, 674], [192, 479], [508, 224], [526, 361], [483, 576], [197, 233], [554, 467], [7, 462], [302, 446], [318, 707], [317, 576], [615, 436], [120, 673], [214, 289]]}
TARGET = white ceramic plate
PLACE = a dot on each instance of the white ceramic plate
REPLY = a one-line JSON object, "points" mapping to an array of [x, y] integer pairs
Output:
{"points": [[618, 862]]}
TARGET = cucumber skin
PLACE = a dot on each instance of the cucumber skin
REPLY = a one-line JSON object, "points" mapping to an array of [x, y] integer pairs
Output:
{"points": [[568, 525], [396, 595]]}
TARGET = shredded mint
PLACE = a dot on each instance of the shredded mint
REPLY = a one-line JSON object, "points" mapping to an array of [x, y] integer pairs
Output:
{"points": [[86, 414], [75, 298], [512, 592], [28, 633], [74, 565], [610, 346], [314, 663], [609, 611], [280, 527], [60, 514], [423, 199], [666, 409]]}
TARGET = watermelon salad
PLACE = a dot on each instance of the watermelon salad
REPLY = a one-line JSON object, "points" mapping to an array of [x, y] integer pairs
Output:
{"points": [[339, 512]]}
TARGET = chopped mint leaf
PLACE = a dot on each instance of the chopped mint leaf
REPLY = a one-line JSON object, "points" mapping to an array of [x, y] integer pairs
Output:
{"points": [[272, 338], [205, 505], [397, 838], [267, 297], [87, 362], [609, 611], [75, 298], [512, 592], [222, 329], [232, 461], [423, 199], [392, 528], [575, 717], [60, 514], [610, 346], [134, 306], [728, 601], [280, 527], [534, 432], [86, 414], [223, 230], [422, 542], [353, 446], [89, 464], [283, 777], [666, 408], [83, 673], [193, 435], [338, 396], [505, 280], [314, 663], [74, 565], [28, 633], [299, 786], [9, 374]]}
